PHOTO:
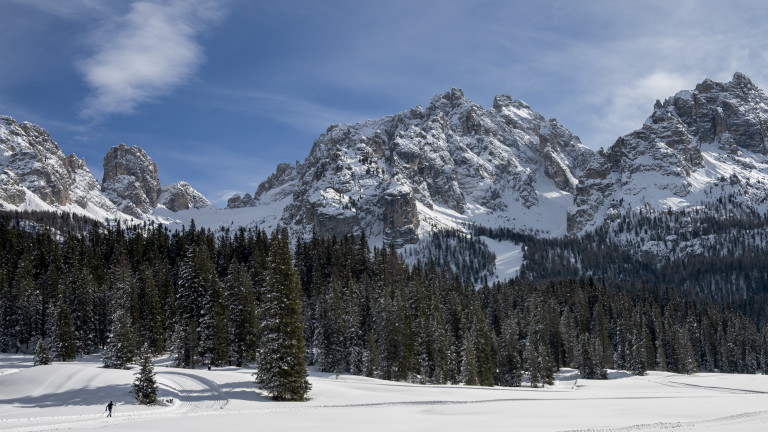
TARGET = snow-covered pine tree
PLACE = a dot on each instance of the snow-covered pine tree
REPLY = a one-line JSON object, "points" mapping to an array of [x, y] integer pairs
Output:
{"points": [[64, 343], [121, 348], [241, 310], [214, 347], [282, 370], [468, 359], [144, 383], [510, 371], [42, 355], [184, 344]]}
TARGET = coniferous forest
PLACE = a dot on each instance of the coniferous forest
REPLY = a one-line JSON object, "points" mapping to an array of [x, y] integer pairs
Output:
{"points": [[246, 297]]}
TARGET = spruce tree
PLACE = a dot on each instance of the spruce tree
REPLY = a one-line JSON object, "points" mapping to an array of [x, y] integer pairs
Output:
{"points": [[241, 310], [281, 369], [144, 383], [64, 343], [42, 355], [121, 347]]}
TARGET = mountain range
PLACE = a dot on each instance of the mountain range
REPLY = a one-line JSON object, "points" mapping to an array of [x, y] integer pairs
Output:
{"points": [[452, 165]]}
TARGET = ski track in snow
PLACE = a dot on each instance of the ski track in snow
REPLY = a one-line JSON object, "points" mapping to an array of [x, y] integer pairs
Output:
{"points": [[732, 421], [674, 381], [193, 394]]}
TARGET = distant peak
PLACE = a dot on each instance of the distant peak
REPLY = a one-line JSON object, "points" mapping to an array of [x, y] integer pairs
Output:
{"points": [[742, 80], [739, 82], [453, 99], [501, 100]]}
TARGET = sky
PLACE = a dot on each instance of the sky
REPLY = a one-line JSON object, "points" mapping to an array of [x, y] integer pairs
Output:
{"points": [[218, 92]]}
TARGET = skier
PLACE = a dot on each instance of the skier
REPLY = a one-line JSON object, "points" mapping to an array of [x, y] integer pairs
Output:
{"points": [[109, 408]]}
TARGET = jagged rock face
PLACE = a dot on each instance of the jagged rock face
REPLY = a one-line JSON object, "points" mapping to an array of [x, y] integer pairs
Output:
{"points": [[37, 176], [132, 183], [422, 167], [130, 180], [181, 196], [689, 143]]}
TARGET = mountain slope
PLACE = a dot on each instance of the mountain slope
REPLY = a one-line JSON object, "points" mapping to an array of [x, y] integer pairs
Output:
{"points": [[36, 175], [446, 166], [696, 147]]}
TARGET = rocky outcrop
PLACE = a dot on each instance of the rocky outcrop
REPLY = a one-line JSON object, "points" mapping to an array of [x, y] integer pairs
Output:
{"points": [[690, 143], [436, 167], [181, 196], [36, 175], [131, 181]]}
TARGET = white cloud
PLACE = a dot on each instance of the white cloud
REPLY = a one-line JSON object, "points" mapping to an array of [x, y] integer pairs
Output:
{"points": [[302, 114], [628, 105], [221, 197], [72, 9], [145, 54]]}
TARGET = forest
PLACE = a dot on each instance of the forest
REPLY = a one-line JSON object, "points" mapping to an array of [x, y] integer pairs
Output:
{"points": [[246, 297]]}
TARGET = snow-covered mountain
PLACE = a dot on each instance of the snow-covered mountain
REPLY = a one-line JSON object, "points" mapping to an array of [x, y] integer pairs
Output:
{"points": [[36, 175], [446, 166], [453, 164], [131, 182], [696, 147]]}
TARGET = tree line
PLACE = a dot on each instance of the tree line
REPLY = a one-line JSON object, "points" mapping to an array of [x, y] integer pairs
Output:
{"points": [[245, 297]]}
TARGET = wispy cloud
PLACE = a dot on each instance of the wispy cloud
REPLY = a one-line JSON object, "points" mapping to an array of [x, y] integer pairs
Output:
{"points": [[300, 113], [72, 9], [624, 106], [144, 54]]}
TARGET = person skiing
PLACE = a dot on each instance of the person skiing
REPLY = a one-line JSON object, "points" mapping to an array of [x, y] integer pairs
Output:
{"points": [[109, 408]]}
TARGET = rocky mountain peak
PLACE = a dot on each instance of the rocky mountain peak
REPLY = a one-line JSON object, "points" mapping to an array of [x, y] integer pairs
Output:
{"points": [[423, 169], [688, 143], [131, 180], [36, 175], [181, 196]]}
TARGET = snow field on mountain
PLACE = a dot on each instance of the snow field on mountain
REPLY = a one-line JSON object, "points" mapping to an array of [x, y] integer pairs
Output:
{"points": [[509, 258], [73, 396]]}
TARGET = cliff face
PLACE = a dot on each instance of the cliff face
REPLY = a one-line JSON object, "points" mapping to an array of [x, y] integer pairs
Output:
{"points": [[130, 180], [36, 175], [450, 164], [132, 183], [695, 147]]}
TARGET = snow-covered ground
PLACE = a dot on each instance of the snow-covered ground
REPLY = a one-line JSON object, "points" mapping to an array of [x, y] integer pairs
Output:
{"points": [[509, 258], [73, 396]]}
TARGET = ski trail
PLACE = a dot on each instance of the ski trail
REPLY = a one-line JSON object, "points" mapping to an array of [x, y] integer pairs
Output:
{"points": [[673, 381], [192, 393], [735, 421], [566, 380]]}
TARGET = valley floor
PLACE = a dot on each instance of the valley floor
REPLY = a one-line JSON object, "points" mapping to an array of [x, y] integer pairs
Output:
{"points": [[73, 396]]}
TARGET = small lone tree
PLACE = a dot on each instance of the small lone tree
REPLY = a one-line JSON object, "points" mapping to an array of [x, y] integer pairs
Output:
{"points": [[145, 384], [42, 355]]}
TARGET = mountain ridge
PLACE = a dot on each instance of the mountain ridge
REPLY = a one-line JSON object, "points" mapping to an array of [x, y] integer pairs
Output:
{"points": [[451, 165]]}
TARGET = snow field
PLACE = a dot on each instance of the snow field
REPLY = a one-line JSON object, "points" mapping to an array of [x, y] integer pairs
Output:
{"points": [[73, 396]]}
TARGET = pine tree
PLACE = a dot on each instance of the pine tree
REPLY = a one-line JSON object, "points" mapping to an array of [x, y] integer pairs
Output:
{"points": [[241, 310], [281, 369], [468, 360], [144, 383], [121, 347], [509, 364], [64, 343], [42, 355]]}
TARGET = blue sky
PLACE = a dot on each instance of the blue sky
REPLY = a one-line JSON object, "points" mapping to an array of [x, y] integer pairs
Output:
{"points": [[219, 91]]}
